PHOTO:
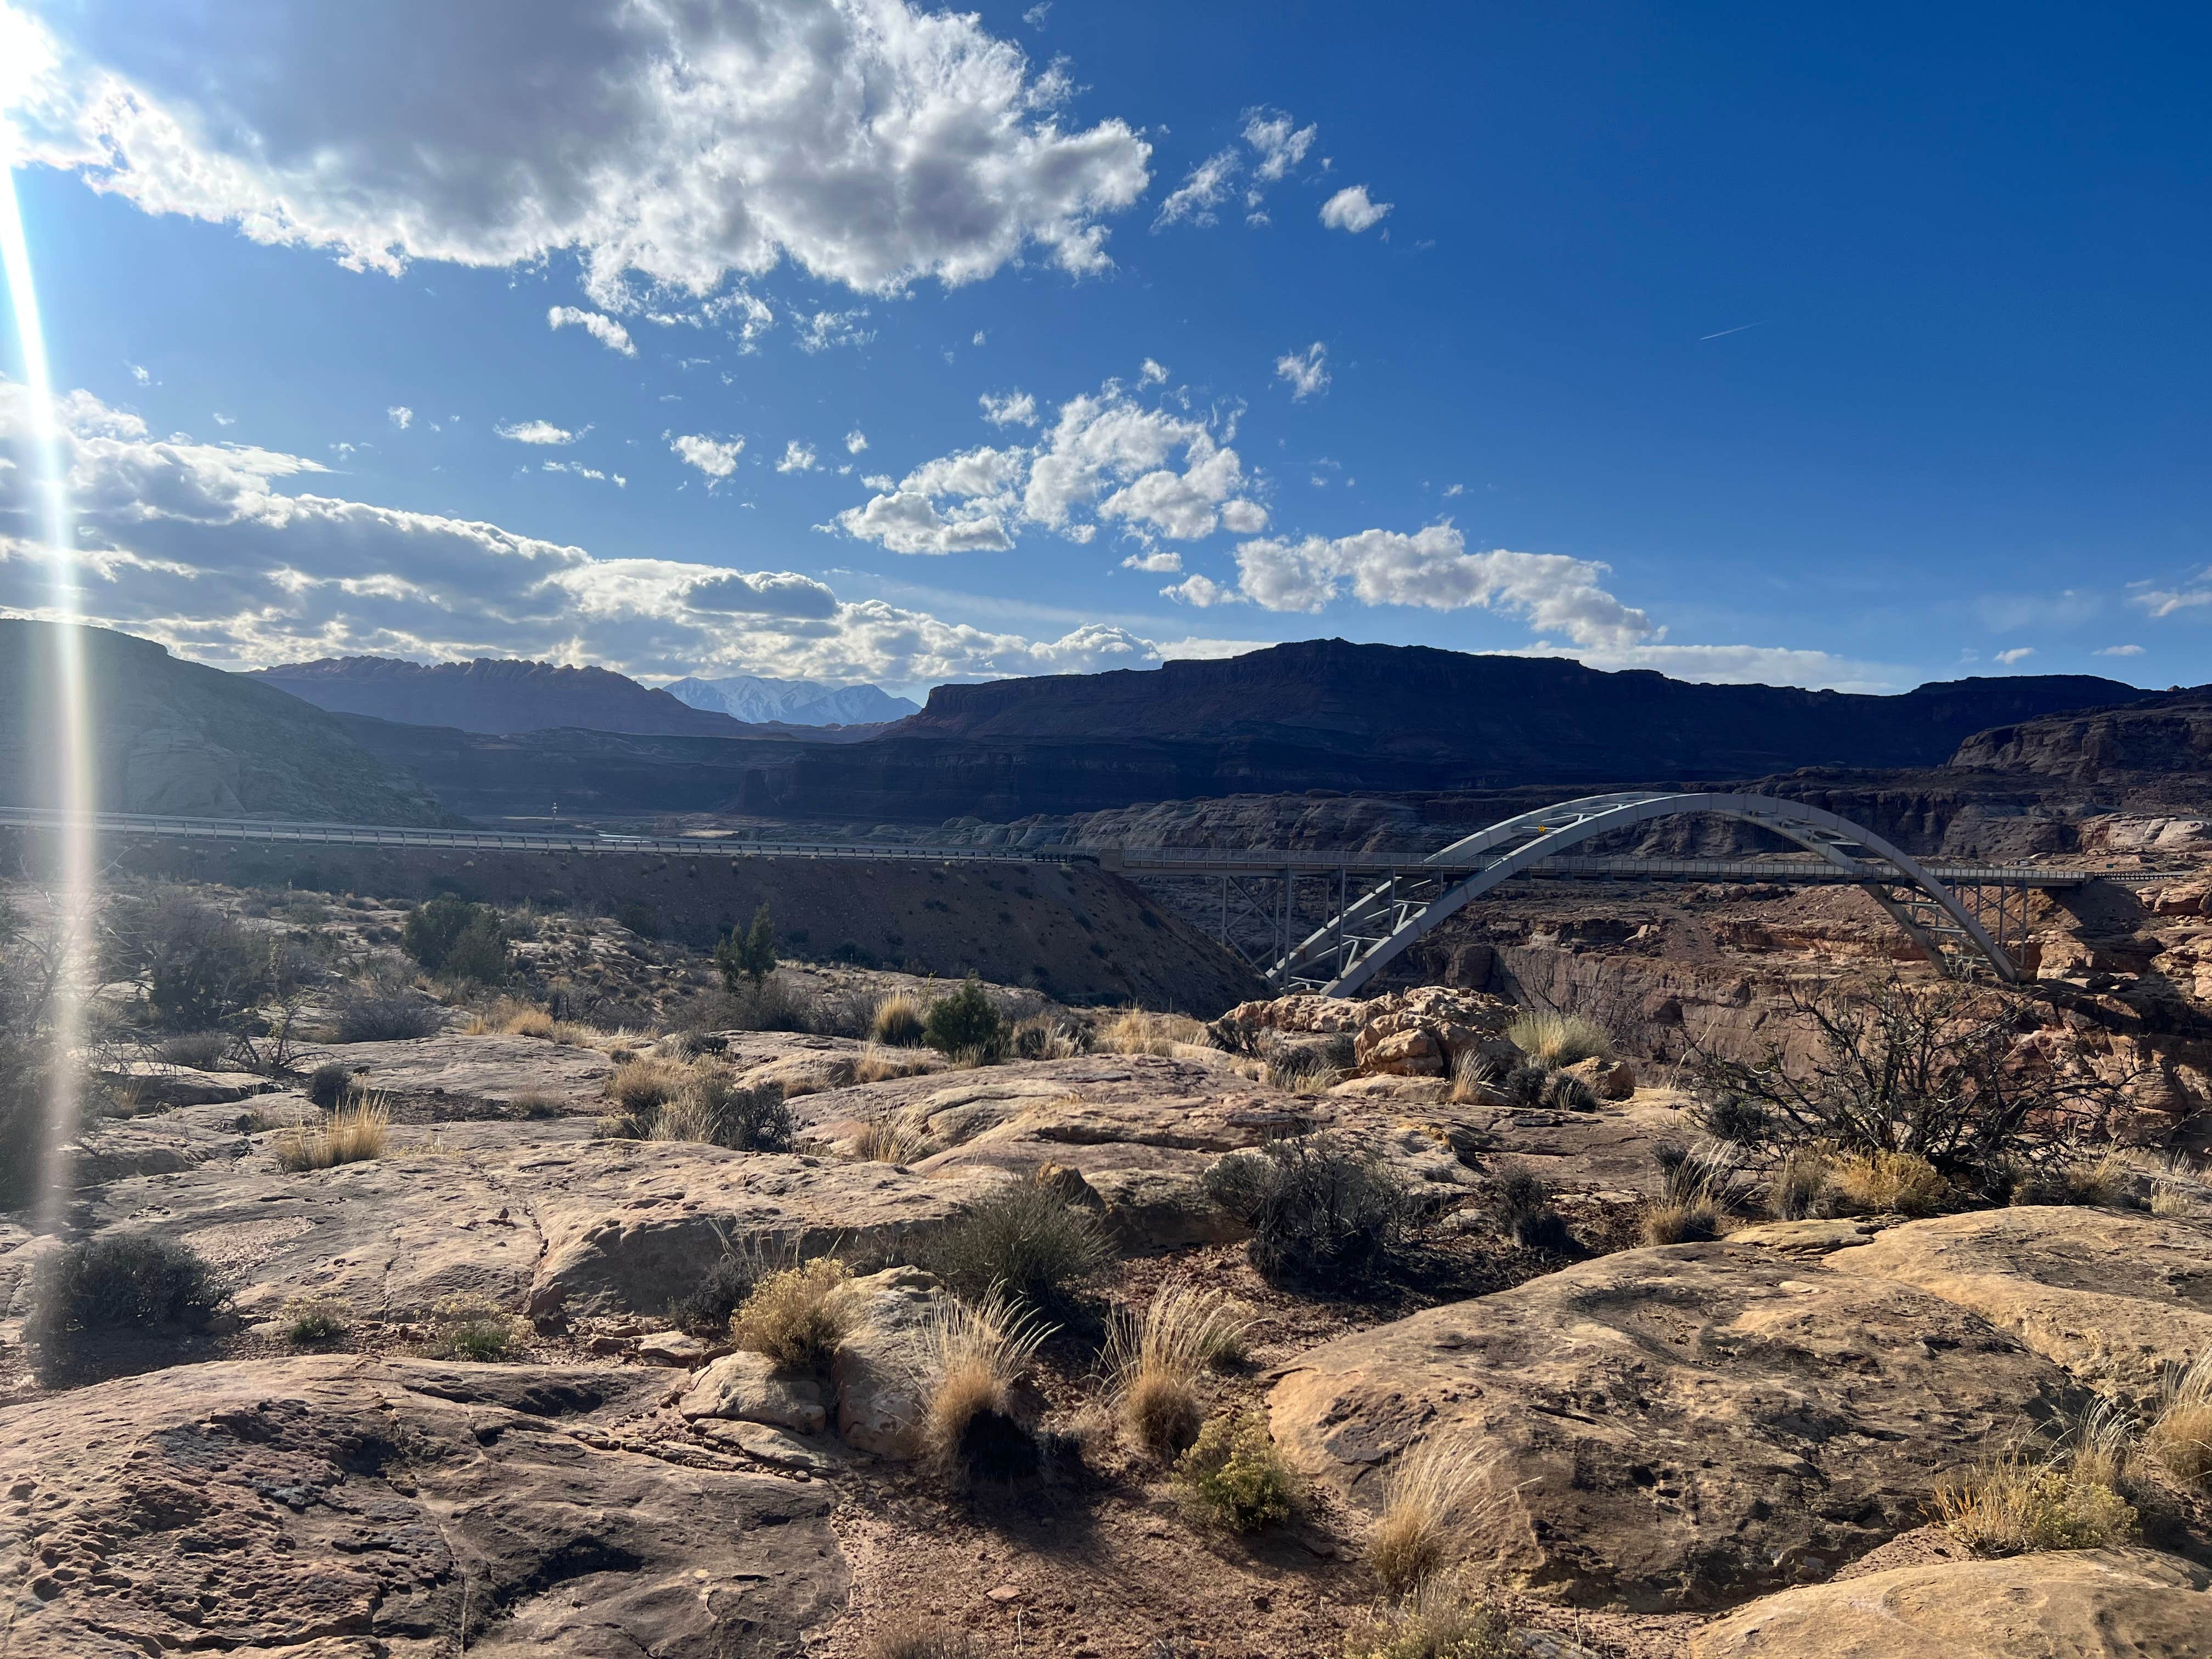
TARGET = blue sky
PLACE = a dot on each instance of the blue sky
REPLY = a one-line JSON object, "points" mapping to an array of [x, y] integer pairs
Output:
{"points": [[1739, 342]]}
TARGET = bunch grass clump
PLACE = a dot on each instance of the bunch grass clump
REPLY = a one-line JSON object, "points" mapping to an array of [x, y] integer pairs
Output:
{"points": [[798, 1315], [469, 1328], [969, 1356], [1793, 1190], [1156, 1358], [1446, 1617], [317, 1319], [344, 1135], [896, 1022], [1697, 1188], [909, 1637], [1554, 1041], [880, 1063], [2180, 1434], [642, 1084], [1233, 1476], [1140, 1031], [1025, 1239], [1882, 1181], [1426, 1487], [2006, 1505], [1043, 1037], [885, 1137]]}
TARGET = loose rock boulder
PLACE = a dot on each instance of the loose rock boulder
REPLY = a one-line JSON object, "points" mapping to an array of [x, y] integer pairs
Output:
{"points": [[2072, 1604], [351, 1508], [2112, 1296], [1672, 1428], [1427, 1031]]}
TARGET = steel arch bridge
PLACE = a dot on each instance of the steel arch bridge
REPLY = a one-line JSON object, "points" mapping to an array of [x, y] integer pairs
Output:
{"points": [[1367, 932]]}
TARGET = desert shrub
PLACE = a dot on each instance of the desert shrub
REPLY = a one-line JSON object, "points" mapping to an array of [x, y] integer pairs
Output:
{"points": [[748, 957], [1233, 1475], [1525, 1085], [640, 919], [971, 1354], [1881, 1181], [2097, 1182], [712, 1106], [121, 1281], [431, 929], [469, 1328], [1566, 1092], [198, 1051], [1024, 1239], [1321, 1214], [797, 1316], [1448, 1617], [345, 1134], [319, 1319], [1043, 1037], [479, 954], [369, 1017], [896, 1022], [965, 1021], [774, 1003], [2007, 1505], [1924, 1072], [328, 1083], [641, 1085], [532, 1103], [2180, 1434], [199, 967], [1524, 1204], [908, 1637], [1737, 1120], [1422, 1492], [1553, 1040], [1793, 1191], [1156, 1357], [734, 1275]]}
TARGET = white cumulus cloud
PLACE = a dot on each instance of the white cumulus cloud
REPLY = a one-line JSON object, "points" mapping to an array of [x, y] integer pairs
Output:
{"points": [[869, 141], [399, 414], [1351, 210], [715, 457], [1013, 409], [1307, 371], [536, 432], [797, 457], [600, 327], [855, 442]]}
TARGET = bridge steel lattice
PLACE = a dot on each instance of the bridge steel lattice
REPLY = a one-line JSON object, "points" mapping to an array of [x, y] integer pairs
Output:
{"points": [[1368, 932]]}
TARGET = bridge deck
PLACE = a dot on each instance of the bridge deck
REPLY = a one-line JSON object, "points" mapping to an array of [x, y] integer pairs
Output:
{"points": [[1134, 860]]}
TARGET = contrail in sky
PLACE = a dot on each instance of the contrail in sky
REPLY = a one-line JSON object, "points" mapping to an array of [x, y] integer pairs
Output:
{"points": [[1738, 329]]}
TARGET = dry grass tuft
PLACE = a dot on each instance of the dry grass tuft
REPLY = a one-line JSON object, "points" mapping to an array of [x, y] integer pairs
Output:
{"points": [[896, 1022], [1156, 1357], [2099, 1445], [317, 1319], [1447, 1618], [883, 1139], [909, 1637], [2170, 1202], [798, 1315], [1140, 1031], [971, 1354], [1042, 1036], [1879, 1183], [469, 1328], [2180, 1435], [2008, 1505], [878, 1064], [1794, 1191], [1696, 1192], [642, 1084], [1556, 1040], [1411, 1537], [345, 1134]]}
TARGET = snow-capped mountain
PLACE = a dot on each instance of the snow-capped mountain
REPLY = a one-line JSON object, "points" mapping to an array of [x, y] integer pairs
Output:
{"points": [[795, 703]]}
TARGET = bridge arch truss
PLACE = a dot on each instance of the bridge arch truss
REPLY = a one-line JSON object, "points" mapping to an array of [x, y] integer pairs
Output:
{"points": [[1369, 930]]}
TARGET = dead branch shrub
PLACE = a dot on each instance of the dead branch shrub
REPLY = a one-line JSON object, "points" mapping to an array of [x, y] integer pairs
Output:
{"points": [[1156, 1357], [374, 1017], [2008, 1505], [971, 1354], [1424, 1490], [735, 1275], [1233, 1476], [1554, 1041], [1024, 1239], [1933, 1072], [344, 1135], [798, 1315]]}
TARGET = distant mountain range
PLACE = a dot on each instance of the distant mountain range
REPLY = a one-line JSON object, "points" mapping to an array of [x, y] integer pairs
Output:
{"points": [[501, 698], [793, 702], [177, 738], [1329, 715]]}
